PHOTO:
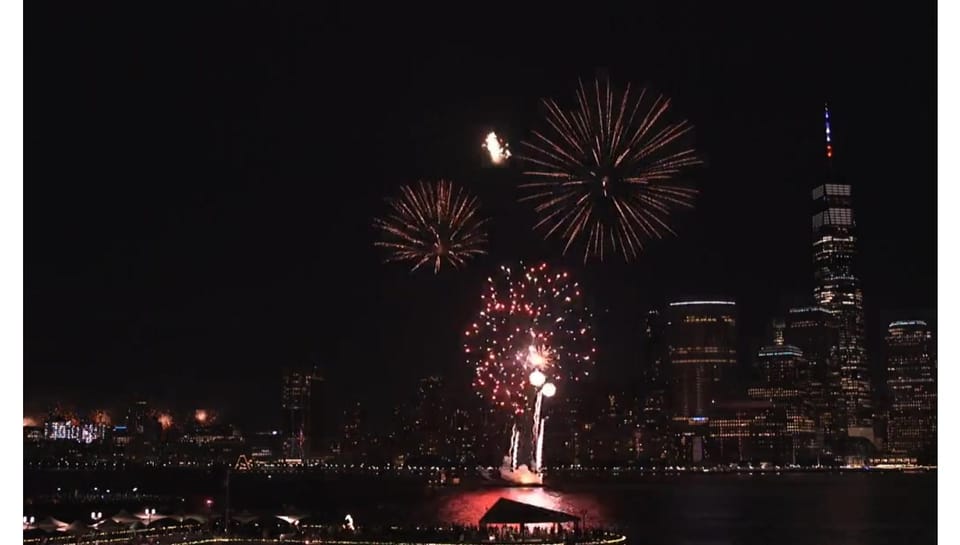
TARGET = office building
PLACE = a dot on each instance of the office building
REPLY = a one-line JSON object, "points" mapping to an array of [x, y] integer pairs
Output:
{"points": [[701, 338], [837, 289], [303, 401], [912, 381], [816, 332]]}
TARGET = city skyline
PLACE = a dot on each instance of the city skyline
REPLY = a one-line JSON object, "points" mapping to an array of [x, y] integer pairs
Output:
{"points": [[198, 289]]}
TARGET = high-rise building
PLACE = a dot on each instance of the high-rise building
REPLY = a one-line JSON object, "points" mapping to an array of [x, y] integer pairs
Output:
{"points": [[302, 401], [912, 380], [654, 432], [783, 382], [837, 290], [783, 371], [431, 418], [702, 351], [318, 425], [352, 448], [137, 417], [816, 332], [613, 436]]}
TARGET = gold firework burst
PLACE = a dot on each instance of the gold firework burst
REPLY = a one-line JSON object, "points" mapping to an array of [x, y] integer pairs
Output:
{"points": [[605, 171], [433, 222]]}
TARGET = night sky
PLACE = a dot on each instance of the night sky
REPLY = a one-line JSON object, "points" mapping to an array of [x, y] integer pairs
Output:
{"points": [[200, 182]]}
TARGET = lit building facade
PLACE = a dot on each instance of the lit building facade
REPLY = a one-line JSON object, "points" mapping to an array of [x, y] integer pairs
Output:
{"points": [[701, 339], [816, 332], [611, 433], [67, 430], [302, 402], [653, 438], [784, 383], [351, 448], [755, 432], [431, 418], [912, 381], [837, 289]]}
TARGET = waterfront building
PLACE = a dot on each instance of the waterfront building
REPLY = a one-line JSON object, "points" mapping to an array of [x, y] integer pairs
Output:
{"points": [[302, 402], [653, 438], [701, 338], [784, 382], [816, 332], [837, 289], [912, 382]]}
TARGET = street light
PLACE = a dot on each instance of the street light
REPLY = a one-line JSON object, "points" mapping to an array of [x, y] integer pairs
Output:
{"points": [[96, 515]]}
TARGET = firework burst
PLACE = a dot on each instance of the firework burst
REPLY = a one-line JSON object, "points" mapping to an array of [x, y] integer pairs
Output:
{"points": [[532, 318], [433, 223], [164, 419], [100, 416], [204, 417], [497, 148], [604, 173]]}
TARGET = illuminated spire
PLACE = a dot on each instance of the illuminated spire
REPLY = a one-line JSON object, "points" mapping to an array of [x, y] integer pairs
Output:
{"points": [[826, 120]]}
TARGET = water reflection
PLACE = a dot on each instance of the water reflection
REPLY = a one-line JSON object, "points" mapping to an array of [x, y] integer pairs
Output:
{"points": [[467, 506], [808, 509]]}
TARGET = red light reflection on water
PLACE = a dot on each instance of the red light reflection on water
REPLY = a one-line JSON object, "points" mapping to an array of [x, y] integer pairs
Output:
{"points": [[467, 506]]}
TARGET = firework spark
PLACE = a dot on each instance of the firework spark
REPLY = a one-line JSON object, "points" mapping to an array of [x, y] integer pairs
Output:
{"points": [[433, 223], [165, 420], [525, 310], [29, 421], [204, 417], [498, 149], [605, 171], [100, 416]]}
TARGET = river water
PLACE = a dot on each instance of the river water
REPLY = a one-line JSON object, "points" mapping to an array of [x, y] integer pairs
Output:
{"points": [[855, 508], [812, 509]]}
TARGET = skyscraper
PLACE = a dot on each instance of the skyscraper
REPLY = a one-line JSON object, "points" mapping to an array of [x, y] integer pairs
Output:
{"points": [[784, 382], [702, 350], [912, 379], [318, 432], [294, 399], [301, 399], [431, 424], [654, 426], [837, 290], [815, 331]]}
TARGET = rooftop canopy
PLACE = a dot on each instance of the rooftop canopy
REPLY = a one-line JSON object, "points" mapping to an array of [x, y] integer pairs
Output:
{"points": [[513, 512]]}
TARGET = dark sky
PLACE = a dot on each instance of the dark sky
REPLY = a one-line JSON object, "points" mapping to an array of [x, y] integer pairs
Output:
{"points": [[200, 181]]}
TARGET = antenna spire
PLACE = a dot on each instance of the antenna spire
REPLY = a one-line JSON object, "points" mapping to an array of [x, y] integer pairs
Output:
{"points": [[826, 120]]}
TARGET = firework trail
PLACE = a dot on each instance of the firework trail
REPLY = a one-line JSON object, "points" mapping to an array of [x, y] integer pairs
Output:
{"points": [[433, 223], [605, 172], [524, 311]]}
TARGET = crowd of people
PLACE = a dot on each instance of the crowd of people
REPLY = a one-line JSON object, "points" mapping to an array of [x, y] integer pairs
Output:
{"points": [[491, 534], [500, 533]]}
